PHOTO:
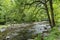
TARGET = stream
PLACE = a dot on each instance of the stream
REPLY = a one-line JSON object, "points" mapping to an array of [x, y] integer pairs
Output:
{"points": [[12, 30]]}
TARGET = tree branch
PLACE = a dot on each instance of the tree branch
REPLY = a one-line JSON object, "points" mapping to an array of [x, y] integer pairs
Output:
{"points": [[47, 1], [34, 2]]}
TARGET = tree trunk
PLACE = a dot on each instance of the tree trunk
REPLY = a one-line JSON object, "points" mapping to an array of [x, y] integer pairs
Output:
{"points": [[52, 13], [47, 11]]}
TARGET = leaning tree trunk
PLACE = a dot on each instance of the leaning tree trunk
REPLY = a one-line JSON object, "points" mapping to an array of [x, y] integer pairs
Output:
{"points": [[52, 13], [47, 11]]}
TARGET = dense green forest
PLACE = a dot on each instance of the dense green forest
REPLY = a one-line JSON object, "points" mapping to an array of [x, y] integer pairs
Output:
{"points": [[27, 11], [30, 11]]}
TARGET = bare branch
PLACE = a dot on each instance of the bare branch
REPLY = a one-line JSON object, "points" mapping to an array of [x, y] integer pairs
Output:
{"points": [[34, 2]]}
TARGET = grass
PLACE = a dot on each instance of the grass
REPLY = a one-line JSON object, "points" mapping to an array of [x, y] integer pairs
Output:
{"points": [[3, 26]]}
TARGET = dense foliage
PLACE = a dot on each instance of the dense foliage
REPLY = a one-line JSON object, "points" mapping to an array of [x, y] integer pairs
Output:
{"points": [[16, 11]]}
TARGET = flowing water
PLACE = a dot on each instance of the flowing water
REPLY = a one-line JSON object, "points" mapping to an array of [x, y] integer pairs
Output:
{"points": [[13, 29]]}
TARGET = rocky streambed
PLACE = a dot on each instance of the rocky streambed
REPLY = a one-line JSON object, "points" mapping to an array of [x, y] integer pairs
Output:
{"points": [[14, 29]]}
